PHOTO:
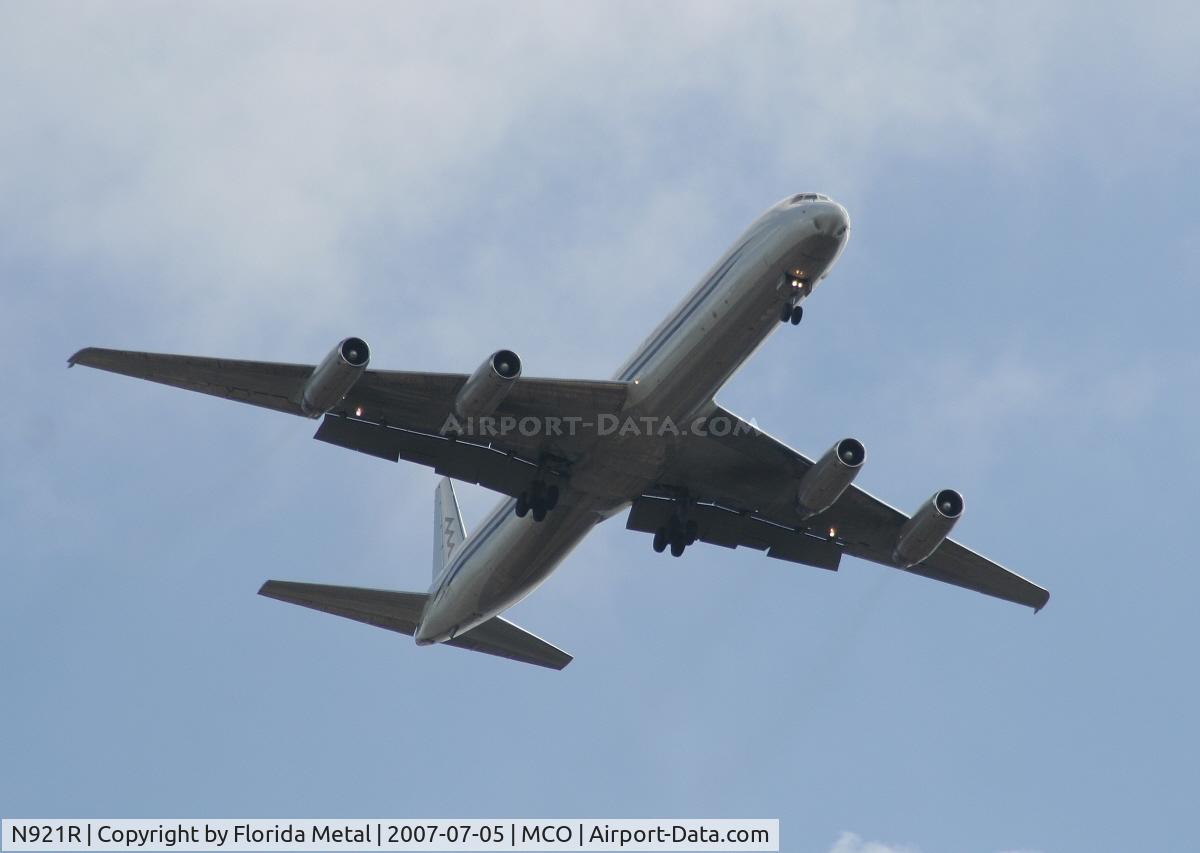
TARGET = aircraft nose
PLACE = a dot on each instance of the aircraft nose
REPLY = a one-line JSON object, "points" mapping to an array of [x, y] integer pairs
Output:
{"points": [[833, 221]]}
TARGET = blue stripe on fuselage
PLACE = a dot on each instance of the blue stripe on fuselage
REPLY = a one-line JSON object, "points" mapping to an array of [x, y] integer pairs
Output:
{"points": [[690, 307], [478, 539]]}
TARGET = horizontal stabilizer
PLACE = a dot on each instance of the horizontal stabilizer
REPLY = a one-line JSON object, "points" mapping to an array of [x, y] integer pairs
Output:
{"points": [[396, 611], [500, 637], [401, 612]]}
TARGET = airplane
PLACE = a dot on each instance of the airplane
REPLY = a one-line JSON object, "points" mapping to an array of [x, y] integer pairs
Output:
{"points": [[569, 453]]}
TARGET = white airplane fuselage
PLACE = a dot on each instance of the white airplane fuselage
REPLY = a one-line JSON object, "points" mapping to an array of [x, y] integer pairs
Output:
{"points": [[675, 374]]}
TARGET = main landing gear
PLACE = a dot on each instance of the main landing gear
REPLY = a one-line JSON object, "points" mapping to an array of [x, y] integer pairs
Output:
{"points": [[678, 534], [538, 499], [791, 314]]}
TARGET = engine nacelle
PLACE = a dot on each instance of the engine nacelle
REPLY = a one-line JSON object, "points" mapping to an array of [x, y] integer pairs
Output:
{"points": [[824, 482], [333, 378], [487, 387], [928, 528]]}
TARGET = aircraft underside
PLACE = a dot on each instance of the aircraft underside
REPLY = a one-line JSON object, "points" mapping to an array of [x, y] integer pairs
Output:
{"points": [[568, 453]]}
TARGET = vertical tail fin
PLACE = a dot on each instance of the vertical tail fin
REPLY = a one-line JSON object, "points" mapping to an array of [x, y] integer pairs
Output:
{"points": [[448, 532]]}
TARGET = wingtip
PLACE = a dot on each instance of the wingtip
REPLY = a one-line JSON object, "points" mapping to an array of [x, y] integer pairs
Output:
{"points": [[85, 356]]}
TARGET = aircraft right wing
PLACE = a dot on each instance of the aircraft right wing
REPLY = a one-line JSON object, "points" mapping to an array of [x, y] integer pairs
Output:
{"points": [[269, 384], [400, 414]]}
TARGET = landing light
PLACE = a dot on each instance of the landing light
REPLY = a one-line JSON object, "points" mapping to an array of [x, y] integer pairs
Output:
{"points": [[358, 412], [833, 533]]}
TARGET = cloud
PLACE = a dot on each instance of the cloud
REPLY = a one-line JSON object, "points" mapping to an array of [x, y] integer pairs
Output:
{"points": [[848, 842], [971, 410], [230, 172]]}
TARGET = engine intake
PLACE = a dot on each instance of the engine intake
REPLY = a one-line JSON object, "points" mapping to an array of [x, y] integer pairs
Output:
{"points": [[832, 474], [333, 378], [928, 528], [487, 387]]}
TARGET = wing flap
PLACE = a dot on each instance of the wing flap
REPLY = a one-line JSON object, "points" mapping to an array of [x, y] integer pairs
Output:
{"points": [[423, 400], [456, 458], [719, 526]]}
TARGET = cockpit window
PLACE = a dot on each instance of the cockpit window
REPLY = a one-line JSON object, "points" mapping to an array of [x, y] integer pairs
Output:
{"points": [[796, 199]]}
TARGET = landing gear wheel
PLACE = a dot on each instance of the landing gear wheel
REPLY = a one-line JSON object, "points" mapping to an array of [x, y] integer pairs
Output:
{"points": [[660, 540], [677, 546], [551, 498], [539, 511], [797, 314], [786, 313], [522, 505]]}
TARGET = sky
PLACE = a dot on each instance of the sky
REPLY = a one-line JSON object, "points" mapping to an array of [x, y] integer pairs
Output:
{"points": [[1013, 317]]}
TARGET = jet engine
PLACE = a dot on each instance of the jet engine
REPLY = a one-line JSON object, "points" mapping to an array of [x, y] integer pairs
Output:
{"points": [[928, 528], [487, 387], [333, 378], [824, 482]]}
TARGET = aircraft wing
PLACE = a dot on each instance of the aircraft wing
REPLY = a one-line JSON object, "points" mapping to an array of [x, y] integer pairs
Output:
{"points": [[749, 478], [396, 414], [261, 383]]}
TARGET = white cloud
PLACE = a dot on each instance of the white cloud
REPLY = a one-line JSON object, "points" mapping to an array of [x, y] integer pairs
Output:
{"points": [[848, 842], [970, 411], [224, 169]]}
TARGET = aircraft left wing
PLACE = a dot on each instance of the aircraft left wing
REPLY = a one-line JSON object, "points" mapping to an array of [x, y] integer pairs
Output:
{"points": [[750, 478], [397, 414]]}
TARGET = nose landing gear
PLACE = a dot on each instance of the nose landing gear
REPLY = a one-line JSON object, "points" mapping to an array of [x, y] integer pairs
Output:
{"points": [[791, 312]]}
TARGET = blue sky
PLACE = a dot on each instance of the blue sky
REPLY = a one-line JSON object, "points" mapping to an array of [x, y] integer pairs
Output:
{"points": [[1014, 316]]}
